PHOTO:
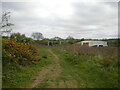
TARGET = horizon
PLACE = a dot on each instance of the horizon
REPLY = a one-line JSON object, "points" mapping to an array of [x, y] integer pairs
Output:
{"points": [[68, 36]]}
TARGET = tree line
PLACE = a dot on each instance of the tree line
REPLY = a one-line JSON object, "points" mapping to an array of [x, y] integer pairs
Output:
{"points": [[5, 28]]}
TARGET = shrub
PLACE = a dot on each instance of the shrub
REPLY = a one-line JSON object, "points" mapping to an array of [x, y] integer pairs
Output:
{"points": [[21, 38], [19, 52]]}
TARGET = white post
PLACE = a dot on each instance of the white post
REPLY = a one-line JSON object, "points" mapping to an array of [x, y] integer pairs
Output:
{"points": [[60, 42], [48, 43]]}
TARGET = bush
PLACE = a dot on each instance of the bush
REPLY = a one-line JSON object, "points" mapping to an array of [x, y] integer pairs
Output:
{"points": [[21, 38], [19, 52]]}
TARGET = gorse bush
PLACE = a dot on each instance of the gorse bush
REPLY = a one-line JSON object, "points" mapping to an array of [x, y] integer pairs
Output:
{"points": [[19, 52]]}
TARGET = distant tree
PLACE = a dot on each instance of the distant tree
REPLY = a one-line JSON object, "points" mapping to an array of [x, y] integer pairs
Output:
{"points": [[37, 35], [5, 25], [20, 38], [116, 42], [45, 41], [78, 40], [71, 40], [82, 39], [113, 42], [57, 38], [69, 37]]}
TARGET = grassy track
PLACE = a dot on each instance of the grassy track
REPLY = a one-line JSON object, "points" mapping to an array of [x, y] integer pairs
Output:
{"points": [[46, 77], [54, 76], [56, 71], [70, 75]]}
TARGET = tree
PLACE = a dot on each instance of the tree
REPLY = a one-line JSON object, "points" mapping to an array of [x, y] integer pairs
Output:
{"points": [[82, 39], [5, 25], [37, 35], [69, 37], [45, 41], [71, 40], [20, 38], [57, 38]]}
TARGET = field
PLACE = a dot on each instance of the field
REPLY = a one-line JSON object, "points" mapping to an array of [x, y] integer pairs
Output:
{"points": [[59, 44], [90, 67], [66, 67]]}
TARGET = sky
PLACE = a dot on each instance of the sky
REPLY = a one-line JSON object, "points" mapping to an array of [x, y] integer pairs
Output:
{"points": [[63, 18]]}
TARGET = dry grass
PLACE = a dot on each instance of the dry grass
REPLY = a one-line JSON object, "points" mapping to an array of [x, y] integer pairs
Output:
{"points": [[97, 66]]}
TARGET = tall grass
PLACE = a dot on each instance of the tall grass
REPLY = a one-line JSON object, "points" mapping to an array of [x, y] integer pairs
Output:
{"points": [[97, 66]]}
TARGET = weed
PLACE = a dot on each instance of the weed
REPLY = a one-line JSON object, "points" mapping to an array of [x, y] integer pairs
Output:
{"points": [[91, 67]]}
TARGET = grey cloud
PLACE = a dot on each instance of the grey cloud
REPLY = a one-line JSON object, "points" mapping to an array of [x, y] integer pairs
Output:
{"points": [[88, 20]]}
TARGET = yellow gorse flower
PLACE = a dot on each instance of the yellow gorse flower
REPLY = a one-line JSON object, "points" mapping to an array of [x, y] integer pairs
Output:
{"points": [[20, 51]]}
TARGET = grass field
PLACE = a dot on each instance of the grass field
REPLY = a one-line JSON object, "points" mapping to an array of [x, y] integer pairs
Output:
{"points": [[86, 68], [66, 67]]}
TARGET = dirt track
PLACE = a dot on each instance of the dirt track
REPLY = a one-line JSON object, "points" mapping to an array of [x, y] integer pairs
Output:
{"points": [[50, 73]]}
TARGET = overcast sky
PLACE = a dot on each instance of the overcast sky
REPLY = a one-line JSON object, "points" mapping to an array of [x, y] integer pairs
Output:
{"points": [[65, 18]]}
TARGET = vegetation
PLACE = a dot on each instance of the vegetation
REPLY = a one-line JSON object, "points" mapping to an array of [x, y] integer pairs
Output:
{"points": [[91, 67], [21, 38], [37, 35], [114, 42], [65, 65], [79, 67], [22, 53], [70, 40], [19, 76], [5, 26], [85, 67]]}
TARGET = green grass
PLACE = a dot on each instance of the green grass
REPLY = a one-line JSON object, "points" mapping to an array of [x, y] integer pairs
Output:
{"points": [[42, 85], [86, 70], [17, 76], [69, 71]]}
